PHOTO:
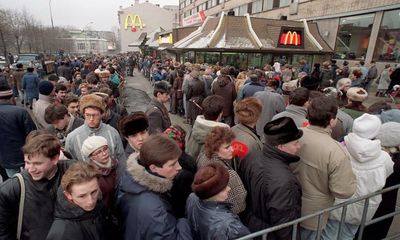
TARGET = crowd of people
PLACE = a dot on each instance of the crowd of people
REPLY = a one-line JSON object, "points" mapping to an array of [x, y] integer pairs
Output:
{"points": [[266, 146]]}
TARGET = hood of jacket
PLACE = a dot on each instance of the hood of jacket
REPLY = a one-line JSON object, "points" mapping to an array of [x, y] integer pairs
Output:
{"points": [[138, 179], [362, 149], [64, 209], [202, 126]]}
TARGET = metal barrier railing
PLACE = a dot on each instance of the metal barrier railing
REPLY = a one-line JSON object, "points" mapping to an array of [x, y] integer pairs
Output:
{"points": [[364, 223]]}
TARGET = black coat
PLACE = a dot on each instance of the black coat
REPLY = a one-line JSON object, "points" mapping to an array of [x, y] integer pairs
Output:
{"points": [[274, 194], [15, 125], [213, 220], [40, 197], [73, 223]]}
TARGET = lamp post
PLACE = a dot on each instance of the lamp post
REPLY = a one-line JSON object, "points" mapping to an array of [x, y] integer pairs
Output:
{"points": [[51, 15], [85, 32]]}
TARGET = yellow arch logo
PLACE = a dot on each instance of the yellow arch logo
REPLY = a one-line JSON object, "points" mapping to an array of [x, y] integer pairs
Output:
{"points": [[290, 36], [130, 21]]}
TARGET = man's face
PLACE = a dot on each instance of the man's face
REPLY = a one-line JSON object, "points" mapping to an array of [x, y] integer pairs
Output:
{"points": [[39, 166], [164, 97], [92, 117], [136, 140], [169, 170], [291, 147], [85, 194], [61, 123], [73, 108], [61, 94], [101, 155]]}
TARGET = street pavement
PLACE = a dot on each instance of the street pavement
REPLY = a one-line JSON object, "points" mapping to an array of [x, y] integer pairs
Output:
{"points": [[139, 91]]}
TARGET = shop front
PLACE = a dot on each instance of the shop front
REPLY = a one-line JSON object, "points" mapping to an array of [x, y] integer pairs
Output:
{"points": [[252, 42]]}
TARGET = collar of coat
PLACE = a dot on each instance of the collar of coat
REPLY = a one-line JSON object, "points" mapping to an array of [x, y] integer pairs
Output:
{"points": [[326, 130], [145, 178]]}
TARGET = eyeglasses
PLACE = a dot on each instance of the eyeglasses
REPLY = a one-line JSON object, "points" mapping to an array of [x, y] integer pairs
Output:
{"points": [[88, 115], [104, 149]]}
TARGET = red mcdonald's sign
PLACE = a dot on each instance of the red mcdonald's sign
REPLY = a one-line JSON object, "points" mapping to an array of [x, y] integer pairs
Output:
{"points": [[290, 38]]}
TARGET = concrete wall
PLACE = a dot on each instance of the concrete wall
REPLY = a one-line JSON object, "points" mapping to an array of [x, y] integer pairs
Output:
{"points": [[152, 17]]}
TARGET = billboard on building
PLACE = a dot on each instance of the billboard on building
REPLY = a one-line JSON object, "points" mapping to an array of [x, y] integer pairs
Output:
{"points": [[194, 19]]}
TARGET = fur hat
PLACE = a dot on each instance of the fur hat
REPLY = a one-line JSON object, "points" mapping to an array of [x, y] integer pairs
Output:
{"points": [[45, 87], [389, 134], [289, 86], [91, 100], [5, 90], [281, 131], [309, 82], [92, 143], [210, 180], [367, 126], [248, 110], [356, 94], [133, 123]]}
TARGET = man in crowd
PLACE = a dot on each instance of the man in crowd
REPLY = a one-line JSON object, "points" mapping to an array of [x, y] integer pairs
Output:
{"points": [[41, 177], [71, 102], [324, 171], [92, 108], [253, 87], [46, 98], [60, 92], [15, 125], [156, 111]]}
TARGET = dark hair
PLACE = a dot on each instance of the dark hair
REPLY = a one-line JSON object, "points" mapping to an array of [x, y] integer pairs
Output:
{"points": [[55, 112], [41, 143], [70, 98], [107, 91], [321, 110], [253, 78], [53, 78], [299, 96], [212, 107], [362, 63], [30, 69], [112, 70], [215, 138], [166, 150], [379, 107], [60, 87]]}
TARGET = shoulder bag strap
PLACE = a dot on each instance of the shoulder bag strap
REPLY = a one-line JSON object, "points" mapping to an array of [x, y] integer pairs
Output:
{"points": [[21, 205]]}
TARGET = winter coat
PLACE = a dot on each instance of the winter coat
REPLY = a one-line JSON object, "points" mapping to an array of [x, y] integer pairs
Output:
{"points": [[15, 125], [119, 109], [213, 220], [237, 195], [30, 84], [384, 80], [39, 110], [108, 183], [74, 141], [73, 124], [326, 77], [64, 71], [372, 166], [250, 89], [143, 207], [226, 89], [73, 223], [248, 136], [274, 192], [196, 138], [372, 73], [297, 113], [273, 103], [324, 172], [158, 117], [112, 119], [395, 78], [18, 75], [207, 79], [40, 197], [195, 96]]}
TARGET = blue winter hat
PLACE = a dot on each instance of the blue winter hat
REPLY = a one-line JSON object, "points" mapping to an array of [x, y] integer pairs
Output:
{"points": [[45, 87]]}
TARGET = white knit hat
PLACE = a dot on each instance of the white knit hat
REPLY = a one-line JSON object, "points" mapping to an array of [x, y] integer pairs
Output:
{"points": [[367, 126], [389, 134], [92, 143]]}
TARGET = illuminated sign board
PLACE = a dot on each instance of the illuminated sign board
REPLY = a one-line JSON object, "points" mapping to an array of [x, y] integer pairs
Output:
{"points": [[291, 38], [166, 39], [194, 19], [130, 21]]}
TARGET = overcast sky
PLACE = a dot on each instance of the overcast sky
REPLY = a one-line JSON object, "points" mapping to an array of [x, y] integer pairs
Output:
{"points": [[77, 13]]}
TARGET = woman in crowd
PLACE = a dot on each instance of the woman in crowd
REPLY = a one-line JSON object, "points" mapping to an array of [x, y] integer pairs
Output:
{"points": [[355, 107], [218, 149]]}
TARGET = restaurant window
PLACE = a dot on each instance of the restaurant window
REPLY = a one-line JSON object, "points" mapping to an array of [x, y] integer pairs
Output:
{"points": [[257, 6], [267, 4], [207, 57], [188, 57], [297, 57], [238, 60], [255, 60], [388, 45], [353, 37]]}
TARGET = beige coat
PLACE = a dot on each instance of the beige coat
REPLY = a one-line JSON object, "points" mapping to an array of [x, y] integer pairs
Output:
{"points": [[324, 173]]}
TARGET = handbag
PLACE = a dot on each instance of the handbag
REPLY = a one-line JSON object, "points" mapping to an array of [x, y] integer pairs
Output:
{"points": [[21, 205]]}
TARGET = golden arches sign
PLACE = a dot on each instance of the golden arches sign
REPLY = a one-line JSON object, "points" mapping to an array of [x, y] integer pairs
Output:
{"points": [[292, 36], [130, 21]]}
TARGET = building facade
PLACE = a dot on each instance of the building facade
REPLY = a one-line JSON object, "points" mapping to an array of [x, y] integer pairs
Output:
{"points": [[142, 19], [89, 42], [356, 30]]}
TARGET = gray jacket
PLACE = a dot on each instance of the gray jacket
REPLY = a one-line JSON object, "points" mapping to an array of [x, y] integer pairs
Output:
{"points": [[297, 113]]}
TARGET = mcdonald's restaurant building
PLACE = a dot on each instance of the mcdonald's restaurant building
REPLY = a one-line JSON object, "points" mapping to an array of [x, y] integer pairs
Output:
{"points": [[245, 41], [143, 19]]}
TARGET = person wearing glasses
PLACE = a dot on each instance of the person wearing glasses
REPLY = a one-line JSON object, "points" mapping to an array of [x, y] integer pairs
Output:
{"points": [[92, 108]]}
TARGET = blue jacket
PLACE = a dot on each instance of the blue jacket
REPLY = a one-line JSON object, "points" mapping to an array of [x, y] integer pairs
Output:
{"points": [[15, 125], [30, 84], [143, 208], [213, 220]]}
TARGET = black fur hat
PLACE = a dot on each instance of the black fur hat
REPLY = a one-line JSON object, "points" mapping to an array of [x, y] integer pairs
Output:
{"points": [[133, 123], [281, 131]]}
